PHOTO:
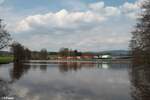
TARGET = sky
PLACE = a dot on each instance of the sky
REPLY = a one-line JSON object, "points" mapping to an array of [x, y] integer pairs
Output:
{"points": [[86, 25]]}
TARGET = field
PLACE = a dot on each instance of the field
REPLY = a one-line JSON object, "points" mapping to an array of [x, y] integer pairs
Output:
{"points": [[6, 59]]}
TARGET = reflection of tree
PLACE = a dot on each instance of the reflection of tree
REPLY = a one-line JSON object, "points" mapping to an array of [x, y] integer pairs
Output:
{"points": [[18, 70], [140, 79], [43, 66], [74, 66]]}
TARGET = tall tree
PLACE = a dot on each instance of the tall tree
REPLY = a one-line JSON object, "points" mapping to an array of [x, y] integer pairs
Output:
{"points": [[4, 36], [27, 54], [20, 52], [140, 43], [43, 54]]}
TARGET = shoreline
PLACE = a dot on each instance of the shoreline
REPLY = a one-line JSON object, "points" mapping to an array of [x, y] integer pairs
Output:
{"points": [[82, 61]]}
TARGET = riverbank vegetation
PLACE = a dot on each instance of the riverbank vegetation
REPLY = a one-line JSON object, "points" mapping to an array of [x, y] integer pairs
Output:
{"points": [[6, 59]]}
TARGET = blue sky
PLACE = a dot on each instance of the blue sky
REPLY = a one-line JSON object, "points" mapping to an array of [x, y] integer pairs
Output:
{"points": [[86, 25], [55, 5]]}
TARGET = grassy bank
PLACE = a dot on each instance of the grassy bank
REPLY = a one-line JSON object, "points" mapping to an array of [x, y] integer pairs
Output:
{"points": [[6, 59]]}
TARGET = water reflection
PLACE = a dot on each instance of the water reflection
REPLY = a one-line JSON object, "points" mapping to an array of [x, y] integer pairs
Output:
{"points": [[140, 79], [74, 66], [18, 70], [83, 81], [104, 66], [43, 66], [77, 66]]}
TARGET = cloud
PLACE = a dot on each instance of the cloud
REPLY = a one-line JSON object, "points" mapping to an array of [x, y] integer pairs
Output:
{"points": [[60, 20], [99, 27], [100, 8], [132, 10], [98, 38], [69, 20], [129, 7], [97, 6]]}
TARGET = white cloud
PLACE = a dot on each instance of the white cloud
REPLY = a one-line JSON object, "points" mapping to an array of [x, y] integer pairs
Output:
{"points": [[112, 11], [64, 19], [97, 6], [101, 9], [132, 10], [60, 20], [128, 7], [132, 15]]}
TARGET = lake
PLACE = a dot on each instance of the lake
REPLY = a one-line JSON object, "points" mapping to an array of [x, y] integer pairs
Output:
{"points": [[73, 81]]}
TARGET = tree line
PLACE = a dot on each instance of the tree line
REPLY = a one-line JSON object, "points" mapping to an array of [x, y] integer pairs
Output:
{"points": [[21, 53]]}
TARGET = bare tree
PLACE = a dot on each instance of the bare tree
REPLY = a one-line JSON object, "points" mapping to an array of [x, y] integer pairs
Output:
{"points": [[140, 43], [4, 36]]}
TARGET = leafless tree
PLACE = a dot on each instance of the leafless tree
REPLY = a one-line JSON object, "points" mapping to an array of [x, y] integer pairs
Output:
{"points": [[4, 36], [140, 43]]}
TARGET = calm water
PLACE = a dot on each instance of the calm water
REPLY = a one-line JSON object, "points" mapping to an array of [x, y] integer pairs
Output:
{"points": [[71, 81]]}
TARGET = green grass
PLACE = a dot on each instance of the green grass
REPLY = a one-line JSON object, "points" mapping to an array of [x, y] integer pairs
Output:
{"points": [[6, 59]]}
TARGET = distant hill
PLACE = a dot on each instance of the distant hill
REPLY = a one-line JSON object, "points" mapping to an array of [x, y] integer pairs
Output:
{"points": [[116, 52], [111, 52]]}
